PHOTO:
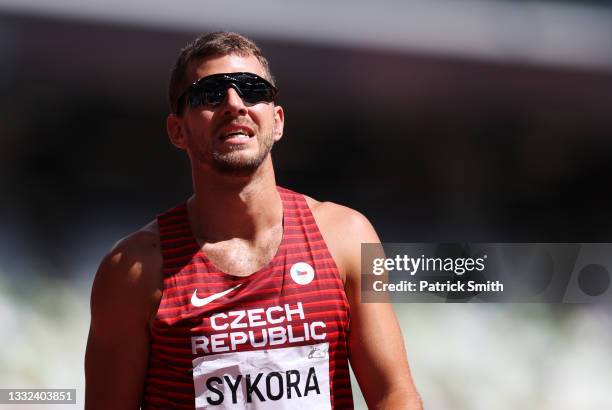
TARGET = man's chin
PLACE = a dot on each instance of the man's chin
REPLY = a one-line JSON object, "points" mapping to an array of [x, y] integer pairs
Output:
{"points": [[232, 166]]}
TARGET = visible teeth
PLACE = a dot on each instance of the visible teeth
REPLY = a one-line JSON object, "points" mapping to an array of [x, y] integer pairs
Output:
{"points": [[238, 135]]}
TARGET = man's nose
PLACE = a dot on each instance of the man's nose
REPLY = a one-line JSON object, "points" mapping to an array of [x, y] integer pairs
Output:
{"points": [[233, 104]]}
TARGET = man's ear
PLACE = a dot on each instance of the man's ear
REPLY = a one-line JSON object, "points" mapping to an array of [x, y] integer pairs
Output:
{"points": [[279, 122], [176, 131]]}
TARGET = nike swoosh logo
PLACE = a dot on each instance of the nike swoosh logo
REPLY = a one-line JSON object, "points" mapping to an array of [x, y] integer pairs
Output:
{"points": [[199, 302]]}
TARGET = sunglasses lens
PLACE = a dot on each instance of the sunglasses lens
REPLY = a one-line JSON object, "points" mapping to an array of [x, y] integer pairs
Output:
{"points": [[214, 95], [257, 93]]}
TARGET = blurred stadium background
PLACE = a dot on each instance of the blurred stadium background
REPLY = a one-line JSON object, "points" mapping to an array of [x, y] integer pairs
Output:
{"points": [[447, 120]]}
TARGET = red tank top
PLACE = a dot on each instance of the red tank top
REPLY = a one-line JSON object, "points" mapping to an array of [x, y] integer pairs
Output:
{"points": [[276, 339]]}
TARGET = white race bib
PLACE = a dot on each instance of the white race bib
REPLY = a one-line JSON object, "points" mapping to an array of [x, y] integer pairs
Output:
{"points": [[286, 378]]}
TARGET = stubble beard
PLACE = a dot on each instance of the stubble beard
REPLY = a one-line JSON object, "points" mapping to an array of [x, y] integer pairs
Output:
{"points": [[234, 163]]}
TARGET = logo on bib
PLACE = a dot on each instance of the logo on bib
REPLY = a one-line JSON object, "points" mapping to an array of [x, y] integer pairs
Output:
{"points": [[302, 273]]}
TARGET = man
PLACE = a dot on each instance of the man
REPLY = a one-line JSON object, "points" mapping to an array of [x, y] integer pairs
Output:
{"points": [[246, 295]]}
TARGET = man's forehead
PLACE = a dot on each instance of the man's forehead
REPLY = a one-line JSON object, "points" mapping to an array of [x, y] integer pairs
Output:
{"points": [[230, 63]]}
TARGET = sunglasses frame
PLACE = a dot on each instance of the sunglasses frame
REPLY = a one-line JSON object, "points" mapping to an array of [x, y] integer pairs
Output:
{"points": [[231, 81]]}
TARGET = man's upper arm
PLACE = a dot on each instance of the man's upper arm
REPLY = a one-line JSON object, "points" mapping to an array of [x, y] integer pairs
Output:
{"points": [[124, 297], [376, 345]]}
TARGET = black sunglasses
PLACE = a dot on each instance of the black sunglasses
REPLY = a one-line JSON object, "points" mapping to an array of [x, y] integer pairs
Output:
{"points": [[212, 90]]}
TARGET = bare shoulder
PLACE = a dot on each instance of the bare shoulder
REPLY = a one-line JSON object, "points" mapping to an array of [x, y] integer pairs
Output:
{"points": [[141, 245], [339, 216], [130, 275], [344, 230], [124, 297]]}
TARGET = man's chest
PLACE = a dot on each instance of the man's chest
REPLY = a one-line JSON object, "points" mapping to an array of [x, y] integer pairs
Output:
{"points": [[242, 258]]}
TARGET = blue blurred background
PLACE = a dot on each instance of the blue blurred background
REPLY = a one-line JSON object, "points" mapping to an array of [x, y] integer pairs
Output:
{"points": [[446, 120]]}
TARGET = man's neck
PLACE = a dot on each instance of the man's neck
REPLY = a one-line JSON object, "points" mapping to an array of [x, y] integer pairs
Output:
{"points": [[225, 207]]}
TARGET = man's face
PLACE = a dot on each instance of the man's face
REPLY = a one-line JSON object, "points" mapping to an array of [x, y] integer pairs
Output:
{"points": [[232, 137]]}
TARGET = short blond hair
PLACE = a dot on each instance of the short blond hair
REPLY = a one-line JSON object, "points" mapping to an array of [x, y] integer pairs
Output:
{"points": [[207, 45]]}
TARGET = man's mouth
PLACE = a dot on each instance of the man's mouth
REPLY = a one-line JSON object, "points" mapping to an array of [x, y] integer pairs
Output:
{"points": [[236, 133], [237, 136]]}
